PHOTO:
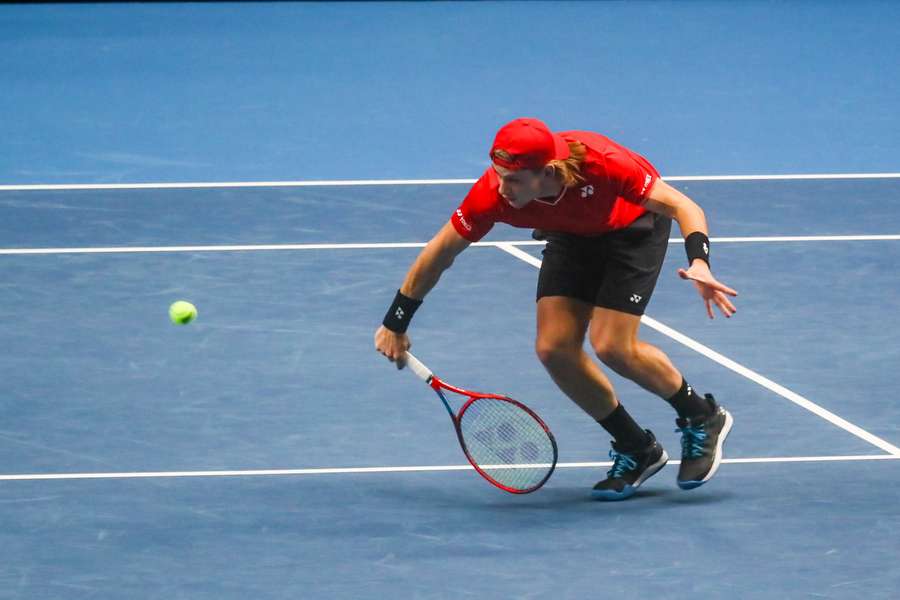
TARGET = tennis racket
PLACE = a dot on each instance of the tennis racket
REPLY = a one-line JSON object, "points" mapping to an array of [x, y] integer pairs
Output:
{"points": [[504, 440]]}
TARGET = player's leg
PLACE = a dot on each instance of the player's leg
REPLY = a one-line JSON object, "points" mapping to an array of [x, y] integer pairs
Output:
{"points": [[614, 338], [566, 288], [561, 326], [703, 423], [634, 260], [562, 323], [563, 314]]}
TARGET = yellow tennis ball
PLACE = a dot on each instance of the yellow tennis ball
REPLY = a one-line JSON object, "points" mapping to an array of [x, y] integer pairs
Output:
{"points": [[182, 312]]}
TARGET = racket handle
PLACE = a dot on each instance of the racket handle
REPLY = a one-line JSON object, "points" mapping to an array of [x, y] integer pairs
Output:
{"points": [[418, 368]]}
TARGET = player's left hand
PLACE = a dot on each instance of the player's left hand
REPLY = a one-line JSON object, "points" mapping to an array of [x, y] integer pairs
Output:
{"points": [[711, 290]]}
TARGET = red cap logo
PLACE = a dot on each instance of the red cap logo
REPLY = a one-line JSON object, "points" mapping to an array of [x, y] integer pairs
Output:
{"points": [[527, 144]]}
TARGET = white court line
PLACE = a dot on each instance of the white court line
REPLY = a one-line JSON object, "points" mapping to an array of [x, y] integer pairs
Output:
{"points": [[363, 182], [382, 245], [742, 370], [227, 184], [799, 238], [225, 248], [418, 469], [786, 177]]}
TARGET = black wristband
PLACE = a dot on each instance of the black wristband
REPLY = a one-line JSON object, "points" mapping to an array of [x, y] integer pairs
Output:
{"points": [[697, 246], [401, 313]]}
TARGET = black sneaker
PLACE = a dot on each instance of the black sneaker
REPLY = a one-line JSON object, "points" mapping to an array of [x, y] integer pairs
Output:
{"points": [[630, 469], [702, 439]]}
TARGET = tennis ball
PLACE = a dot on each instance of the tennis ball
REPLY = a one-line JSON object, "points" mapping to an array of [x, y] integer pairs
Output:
{"points": [[182, 312]]}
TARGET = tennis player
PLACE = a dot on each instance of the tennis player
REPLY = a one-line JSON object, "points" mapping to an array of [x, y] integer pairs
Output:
{"points": [[605, 214]]}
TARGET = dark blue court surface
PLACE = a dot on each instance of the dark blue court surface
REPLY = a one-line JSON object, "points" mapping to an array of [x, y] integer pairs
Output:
{"points": [[279, 373], [267, 451]]}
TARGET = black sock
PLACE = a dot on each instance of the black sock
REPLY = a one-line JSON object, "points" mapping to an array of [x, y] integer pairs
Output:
{"points": [[688, 403], [624, 430]]}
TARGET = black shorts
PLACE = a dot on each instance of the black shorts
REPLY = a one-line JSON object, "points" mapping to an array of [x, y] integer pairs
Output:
{"points": [[616, 270]]}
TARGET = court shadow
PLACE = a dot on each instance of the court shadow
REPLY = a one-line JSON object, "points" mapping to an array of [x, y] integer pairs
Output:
{"points": [[546, 499], [661, 497], [674, 496], [568, 497]]}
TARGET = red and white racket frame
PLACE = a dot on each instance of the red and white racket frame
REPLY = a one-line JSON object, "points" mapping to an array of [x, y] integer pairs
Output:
{"points": [[426, 375]]}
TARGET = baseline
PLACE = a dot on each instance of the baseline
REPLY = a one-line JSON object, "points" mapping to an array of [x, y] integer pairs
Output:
{"points": [[414, 469]]}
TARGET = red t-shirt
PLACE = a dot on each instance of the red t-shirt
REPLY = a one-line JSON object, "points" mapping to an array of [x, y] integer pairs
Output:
{"points": [[616, 184]]}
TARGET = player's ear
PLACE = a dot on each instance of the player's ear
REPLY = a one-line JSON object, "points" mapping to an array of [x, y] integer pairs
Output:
{"points": [[549, 171]]}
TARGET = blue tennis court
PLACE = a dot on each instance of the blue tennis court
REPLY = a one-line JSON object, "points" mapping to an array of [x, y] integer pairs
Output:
{"points": [[226, 154]]}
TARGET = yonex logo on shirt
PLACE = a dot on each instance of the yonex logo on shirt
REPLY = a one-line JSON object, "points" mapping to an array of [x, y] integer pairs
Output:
{"points": [[647, 181], [462, 220], [635, 298]]}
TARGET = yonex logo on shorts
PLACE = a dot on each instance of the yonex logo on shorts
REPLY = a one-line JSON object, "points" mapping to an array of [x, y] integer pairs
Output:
{"points": [[635, 298]]}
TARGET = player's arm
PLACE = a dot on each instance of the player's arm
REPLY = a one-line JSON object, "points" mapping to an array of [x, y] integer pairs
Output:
{"points": [[664, 199], [437, 256]]}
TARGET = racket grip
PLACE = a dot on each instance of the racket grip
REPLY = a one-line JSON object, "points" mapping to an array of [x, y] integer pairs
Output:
{"points": [[418, 368]]}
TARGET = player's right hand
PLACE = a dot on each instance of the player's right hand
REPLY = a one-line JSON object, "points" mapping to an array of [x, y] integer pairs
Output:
{"points": [[393, 345]]}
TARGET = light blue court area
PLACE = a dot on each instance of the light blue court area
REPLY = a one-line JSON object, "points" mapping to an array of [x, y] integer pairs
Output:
{"points": [[278, 373], [272, 91]]}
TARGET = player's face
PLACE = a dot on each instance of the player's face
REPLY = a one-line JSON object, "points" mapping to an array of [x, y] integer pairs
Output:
{"points": [[520, 187]]}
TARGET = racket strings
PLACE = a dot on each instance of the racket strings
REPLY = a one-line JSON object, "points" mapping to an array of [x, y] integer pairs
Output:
{"points": [[507, 443]]}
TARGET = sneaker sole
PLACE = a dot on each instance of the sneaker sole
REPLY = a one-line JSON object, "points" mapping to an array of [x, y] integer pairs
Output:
{"points": [[726, 429], [631, 489]]}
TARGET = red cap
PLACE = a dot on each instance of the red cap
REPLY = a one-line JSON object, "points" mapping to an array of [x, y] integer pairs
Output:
{"points": [[530, 143]]}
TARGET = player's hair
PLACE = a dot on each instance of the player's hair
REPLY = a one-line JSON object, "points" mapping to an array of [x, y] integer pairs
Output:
{"points": [[570, 169]]}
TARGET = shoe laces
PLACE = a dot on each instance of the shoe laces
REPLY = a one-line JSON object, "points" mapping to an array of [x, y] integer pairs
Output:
{"points": [[622, 463], [693, 440]]}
